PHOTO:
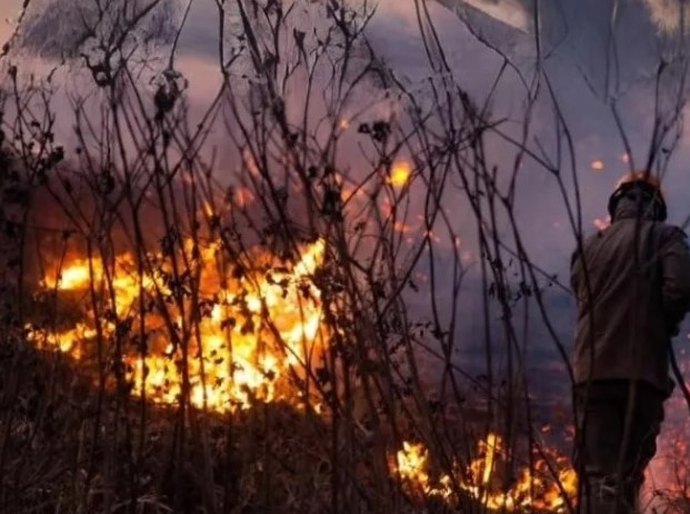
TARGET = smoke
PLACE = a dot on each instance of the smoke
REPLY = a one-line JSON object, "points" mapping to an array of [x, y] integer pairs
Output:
{"points": [[602, 60], [65, 28], [595, 57]]}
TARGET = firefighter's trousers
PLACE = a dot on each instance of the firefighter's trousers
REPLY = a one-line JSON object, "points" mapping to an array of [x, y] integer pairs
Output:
{"points": [[617, 422]]}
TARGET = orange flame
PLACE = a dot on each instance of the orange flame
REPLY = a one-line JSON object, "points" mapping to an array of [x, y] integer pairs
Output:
{"points": [[260, 328], [534, 488]]}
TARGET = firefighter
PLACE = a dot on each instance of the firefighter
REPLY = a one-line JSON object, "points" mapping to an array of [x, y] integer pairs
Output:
{"points": [[632, 284]]}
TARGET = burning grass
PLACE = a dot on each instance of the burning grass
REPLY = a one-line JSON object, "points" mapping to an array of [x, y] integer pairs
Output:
{"points": [[241, 343], [259, 335], [483, 480], [72, 449], [256, 329]]}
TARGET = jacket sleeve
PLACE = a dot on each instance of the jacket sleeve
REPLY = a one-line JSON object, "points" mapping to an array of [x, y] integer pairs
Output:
{"points": [[675, 274]]}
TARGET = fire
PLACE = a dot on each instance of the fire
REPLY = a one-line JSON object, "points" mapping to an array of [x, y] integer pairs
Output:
{"points": [[258, 327], [73, 277], [65, 341], [400, 174], [412, 465], [534, 489]]}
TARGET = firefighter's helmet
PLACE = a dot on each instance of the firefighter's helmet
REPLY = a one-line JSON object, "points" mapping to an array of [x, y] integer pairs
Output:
{"points": [[645, 182]]}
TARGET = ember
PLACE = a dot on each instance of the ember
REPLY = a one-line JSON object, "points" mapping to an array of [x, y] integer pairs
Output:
{"points": [[597, 165], [400, 174]]}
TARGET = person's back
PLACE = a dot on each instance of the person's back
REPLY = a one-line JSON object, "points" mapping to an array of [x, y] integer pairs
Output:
{"points": [[623, 326], [632, 283]]}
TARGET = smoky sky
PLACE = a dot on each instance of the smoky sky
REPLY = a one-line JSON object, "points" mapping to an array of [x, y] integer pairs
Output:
{"points": [[591, 57]]}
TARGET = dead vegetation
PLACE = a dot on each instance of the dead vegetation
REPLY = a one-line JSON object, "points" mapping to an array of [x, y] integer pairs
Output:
{"points": [[184, 230]]}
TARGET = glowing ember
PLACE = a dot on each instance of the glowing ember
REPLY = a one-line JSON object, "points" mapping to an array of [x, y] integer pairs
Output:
{"points": [[598, 165], [251, 332], [534, 489], [400, 174]]}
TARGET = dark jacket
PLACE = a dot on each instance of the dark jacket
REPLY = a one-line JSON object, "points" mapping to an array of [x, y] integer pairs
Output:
{"points": [[629, 307]]}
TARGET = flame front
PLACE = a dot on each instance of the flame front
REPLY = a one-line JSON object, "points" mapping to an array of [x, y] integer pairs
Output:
{"points": [[251, 331], [534, 489]]}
